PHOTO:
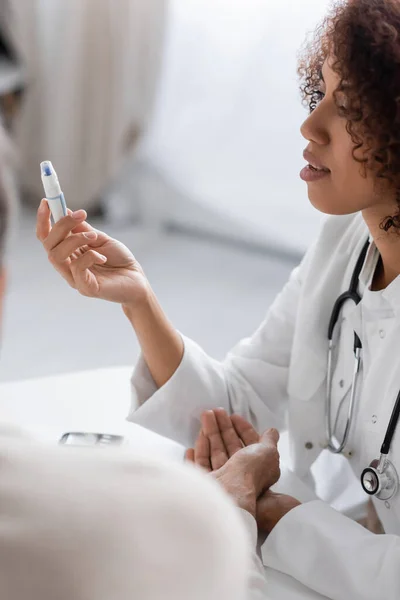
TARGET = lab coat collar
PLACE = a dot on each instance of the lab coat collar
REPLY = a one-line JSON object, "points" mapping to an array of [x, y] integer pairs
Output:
{"points": [[392, 293], [369, 266]]}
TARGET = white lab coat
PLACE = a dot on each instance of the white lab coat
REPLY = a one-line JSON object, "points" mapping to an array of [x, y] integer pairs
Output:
{"points": [[278, 378]]}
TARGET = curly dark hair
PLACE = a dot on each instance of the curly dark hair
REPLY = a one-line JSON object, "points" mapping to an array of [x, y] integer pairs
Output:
{"points": [[362, 38]]}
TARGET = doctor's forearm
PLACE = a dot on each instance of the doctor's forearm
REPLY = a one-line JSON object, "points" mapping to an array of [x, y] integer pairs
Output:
{"points": [[161, 344]]}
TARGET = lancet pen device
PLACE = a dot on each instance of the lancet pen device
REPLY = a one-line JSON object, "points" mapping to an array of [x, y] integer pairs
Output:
{"points": [[52, 190]]}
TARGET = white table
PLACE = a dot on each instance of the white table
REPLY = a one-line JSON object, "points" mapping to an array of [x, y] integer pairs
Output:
{"points": [[94, 401]]}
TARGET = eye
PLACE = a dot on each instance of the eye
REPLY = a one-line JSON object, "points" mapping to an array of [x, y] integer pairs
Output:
{"points": [[318, 95]]}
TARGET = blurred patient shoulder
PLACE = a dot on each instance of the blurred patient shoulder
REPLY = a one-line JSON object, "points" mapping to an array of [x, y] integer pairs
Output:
{"points": [[84, 523]]}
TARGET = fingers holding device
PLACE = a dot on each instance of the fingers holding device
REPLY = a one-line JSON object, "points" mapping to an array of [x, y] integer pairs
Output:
{"points": [[92, 262]]}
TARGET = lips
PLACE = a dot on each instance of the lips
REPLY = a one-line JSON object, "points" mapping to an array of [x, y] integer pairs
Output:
{"points": [[314, 162]]}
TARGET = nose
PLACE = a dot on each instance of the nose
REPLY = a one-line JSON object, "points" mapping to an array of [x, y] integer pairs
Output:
{"points": [[312, 129]]}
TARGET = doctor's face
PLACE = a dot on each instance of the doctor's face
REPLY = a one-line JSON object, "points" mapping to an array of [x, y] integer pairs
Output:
{"points": [[348, 188]]}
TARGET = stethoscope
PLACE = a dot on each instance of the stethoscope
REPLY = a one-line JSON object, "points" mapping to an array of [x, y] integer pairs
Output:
{"points": [[380, 479]]}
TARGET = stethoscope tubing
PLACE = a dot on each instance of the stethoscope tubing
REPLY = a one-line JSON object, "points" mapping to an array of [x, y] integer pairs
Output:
{"points": [[382, 473], [353, 295]]}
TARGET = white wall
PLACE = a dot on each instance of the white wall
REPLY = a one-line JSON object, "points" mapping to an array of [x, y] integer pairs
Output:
{"points": [[226, 126]]}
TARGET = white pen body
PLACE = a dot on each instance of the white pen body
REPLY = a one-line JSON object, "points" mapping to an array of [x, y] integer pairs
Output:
{"points": [[53, 192]]}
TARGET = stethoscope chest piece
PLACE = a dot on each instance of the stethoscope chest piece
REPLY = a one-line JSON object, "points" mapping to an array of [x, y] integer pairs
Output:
{"points": [[380, 482]]}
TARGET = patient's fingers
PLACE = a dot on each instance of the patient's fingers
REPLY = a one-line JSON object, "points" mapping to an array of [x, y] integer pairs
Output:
{"points": [[202, 452], [270, 437], [219, 455], [232, 441], [245, 431], [189, 455]]}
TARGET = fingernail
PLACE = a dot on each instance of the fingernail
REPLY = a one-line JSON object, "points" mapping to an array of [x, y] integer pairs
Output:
{"points": [[78, 215], [90, 235], [103, 258]]}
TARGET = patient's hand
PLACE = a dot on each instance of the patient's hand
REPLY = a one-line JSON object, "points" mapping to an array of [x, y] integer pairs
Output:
{"points": [[95, 264], [246, 465], [221, 436]]}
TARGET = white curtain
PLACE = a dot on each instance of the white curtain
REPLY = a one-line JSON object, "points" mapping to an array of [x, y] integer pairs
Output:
{"points": [[92, 70], [226, 130]]}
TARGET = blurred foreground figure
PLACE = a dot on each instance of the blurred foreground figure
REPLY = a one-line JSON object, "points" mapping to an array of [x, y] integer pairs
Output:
{"points": [[86, 524]]}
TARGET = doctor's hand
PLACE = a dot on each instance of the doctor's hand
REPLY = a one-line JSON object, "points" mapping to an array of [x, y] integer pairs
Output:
{"points": [[243, 462], [93, 263]]}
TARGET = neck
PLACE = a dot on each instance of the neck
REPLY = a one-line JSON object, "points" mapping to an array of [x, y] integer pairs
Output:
{"points": [[387, 242]]}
